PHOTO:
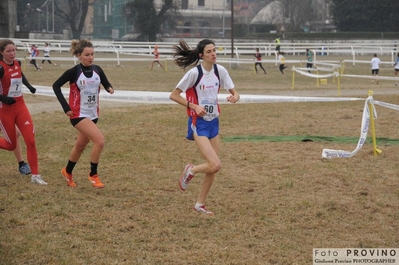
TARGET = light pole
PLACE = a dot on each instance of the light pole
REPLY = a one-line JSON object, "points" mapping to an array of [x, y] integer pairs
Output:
{"points": [[53, 30], [47, 19], [224, 7], [232, 27], [30, 6], [46, 4]]}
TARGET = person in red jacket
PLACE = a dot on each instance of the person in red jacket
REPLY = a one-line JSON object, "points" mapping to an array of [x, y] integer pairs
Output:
{"points": [[13, 110]]}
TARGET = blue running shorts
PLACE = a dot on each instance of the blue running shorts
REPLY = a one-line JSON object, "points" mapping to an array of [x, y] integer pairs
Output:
{"points": [[201, 127]]}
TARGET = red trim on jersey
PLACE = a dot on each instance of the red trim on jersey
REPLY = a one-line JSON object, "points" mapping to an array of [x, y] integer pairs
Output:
{"points": [[74, 100], [191, 93], [9, 70]]}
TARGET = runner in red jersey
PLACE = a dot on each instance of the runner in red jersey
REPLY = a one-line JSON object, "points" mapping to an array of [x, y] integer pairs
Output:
{"points": [[84, 82], [13, 110], [156, 58], [258, 61]]}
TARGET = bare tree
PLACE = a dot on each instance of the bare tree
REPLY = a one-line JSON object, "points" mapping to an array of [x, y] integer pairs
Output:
{"points": [[366, 15], [322, 9], [3, 20], [147, 21], [298, 12], [74, 12]]}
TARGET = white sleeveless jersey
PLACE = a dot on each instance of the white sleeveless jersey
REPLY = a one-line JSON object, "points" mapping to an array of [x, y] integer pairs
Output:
{"points": [[87, 99], [205, 93], [46, 51]]}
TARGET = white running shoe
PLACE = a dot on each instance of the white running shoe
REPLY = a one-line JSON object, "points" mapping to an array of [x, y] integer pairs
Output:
{"points": [[202, 209], [38, 179], [186, 177]]}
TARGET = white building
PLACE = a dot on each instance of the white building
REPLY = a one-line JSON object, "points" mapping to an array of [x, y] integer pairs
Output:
{"points": [[203, 18]]}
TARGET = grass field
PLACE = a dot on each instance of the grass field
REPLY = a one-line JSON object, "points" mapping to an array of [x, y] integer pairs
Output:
{"points": [[273, 201]]}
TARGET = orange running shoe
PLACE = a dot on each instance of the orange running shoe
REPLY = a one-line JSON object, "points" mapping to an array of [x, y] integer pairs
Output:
{"points": [[96, 182], [68, 178]]}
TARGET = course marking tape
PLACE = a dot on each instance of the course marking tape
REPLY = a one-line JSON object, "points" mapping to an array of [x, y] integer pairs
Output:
{"points": [[163, 97], [373, 77], [331, 153]]}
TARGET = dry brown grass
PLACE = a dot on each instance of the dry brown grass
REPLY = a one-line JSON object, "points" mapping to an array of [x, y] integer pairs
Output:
{"points": [[274, 201]]}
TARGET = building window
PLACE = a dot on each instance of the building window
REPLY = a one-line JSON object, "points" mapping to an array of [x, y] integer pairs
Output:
{"points": [[187, 27], [184, 4], [201, 2]]}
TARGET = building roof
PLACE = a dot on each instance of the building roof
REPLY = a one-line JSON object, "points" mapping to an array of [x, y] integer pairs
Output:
{"points": [[273, 13]]}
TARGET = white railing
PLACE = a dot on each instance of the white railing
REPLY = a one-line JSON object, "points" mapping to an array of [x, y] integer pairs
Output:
{"points": [[240, 49]]}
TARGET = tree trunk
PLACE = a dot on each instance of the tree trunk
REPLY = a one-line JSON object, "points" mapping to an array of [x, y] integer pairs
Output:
{"points": [[76, 34]]}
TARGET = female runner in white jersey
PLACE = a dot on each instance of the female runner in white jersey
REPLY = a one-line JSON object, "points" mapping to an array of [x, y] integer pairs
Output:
{"points": [[84, 81], [201, 85]]}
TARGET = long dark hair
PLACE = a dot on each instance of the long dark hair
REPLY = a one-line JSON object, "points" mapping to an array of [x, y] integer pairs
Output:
{"points": [[185, 56], [3, 44]]}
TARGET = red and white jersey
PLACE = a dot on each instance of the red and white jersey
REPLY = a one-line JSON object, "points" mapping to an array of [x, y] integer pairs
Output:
{"points": [[83, 96], [11, 82], [156, 54], [258, 56], [205, 93]]}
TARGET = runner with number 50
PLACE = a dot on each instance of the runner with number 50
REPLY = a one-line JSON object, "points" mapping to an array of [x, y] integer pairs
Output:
{"points": [[201, 85]]}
